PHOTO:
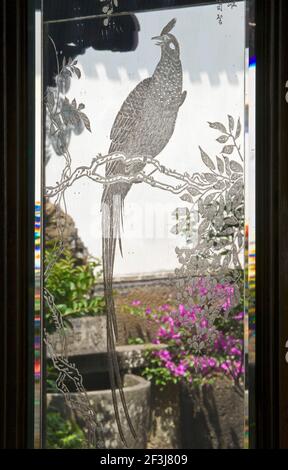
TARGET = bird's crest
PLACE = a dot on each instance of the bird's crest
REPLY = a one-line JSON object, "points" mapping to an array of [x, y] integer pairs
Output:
{"points": [[168, 27]]}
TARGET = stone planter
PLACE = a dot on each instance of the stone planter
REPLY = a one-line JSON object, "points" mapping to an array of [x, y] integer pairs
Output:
{"points": [[87, 335], [137, 394], [212, 416]]}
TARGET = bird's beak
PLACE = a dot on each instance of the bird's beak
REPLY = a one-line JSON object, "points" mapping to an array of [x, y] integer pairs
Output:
{"points": [[159, 40]]}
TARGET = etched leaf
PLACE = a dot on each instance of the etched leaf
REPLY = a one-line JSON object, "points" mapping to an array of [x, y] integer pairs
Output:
{"points": [[228, 149], [209, 199], [77, 72], [227, 260], [86, 121], [228, 202], [57, 120], [81, 106], [194, 191], [220, 165], [50, 99], [231, 123], [216, 263], [200, 206], [52, 129], [235, 255], [222, 139], [203, 227], [187, 198], [238, 130], [228, 231], [60, 141], [231, 221], [210, 178], [207, 160], [221, 204], [218, 222], [235, 166], [236, 188], [217, 125], [235, 176], [219, 185], [240, 239], [227, 166], [211, 211], [69, 113]]}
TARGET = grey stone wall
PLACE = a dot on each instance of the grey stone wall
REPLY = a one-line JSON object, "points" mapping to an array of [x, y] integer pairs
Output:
{"points": [[212, 416]]}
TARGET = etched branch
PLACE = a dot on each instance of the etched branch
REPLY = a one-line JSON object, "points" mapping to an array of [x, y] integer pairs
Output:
{"points": [[90, 172]]}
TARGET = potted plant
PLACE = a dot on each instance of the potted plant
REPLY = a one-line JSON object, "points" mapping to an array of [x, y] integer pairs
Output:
{"points": [[82, 310]]}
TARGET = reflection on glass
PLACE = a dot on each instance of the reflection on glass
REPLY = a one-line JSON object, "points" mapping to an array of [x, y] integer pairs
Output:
{"points": [[144, 215]]}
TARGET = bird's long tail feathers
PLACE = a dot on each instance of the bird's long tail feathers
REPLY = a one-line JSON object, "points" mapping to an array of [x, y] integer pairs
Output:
{"points": [[112, 209]]}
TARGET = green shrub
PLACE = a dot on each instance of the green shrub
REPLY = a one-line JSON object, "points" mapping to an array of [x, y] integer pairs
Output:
{"points": [[72, 288], [63, 434]]}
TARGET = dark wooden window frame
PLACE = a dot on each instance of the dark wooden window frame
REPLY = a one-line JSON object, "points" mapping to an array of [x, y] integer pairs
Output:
{"points": [[17, 229]]}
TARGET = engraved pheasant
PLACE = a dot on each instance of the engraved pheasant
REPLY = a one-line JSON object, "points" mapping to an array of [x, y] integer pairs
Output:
{"points": [[143, 127]]}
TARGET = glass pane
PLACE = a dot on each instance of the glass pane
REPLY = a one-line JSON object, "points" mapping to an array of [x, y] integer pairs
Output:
{"points": [[145, 292]]}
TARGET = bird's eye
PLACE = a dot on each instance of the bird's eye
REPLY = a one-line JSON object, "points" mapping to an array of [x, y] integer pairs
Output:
{"points": [[172, 46]]}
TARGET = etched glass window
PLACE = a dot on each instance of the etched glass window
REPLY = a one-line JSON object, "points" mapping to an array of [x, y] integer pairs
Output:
{"points": [[145, 252]]}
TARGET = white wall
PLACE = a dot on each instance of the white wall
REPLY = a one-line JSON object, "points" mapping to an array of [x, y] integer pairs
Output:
{"points": [[213, 63]]}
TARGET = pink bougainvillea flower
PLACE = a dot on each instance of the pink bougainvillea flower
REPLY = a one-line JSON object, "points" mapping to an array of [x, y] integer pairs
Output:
{"points": [[182, 310], [164, 355], [239, 316], [155, 341], [170, 365], [164, 308], [224, 367], [204, 323], [162, 332], [212, 362], [177, 325], [203, 291], [235, 352], [180, 370]]}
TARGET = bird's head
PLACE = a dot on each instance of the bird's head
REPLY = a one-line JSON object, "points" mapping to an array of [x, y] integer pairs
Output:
{"points": [[167, 41]]}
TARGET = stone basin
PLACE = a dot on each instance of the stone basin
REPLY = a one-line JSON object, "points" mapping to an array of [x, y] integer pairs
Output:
{"points": [[137, 394]]}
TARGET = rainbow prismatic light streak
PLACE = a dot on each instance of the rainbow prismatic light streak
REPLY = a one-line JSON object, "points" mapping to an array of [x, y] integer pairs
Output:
{"points": [[252, 61], [37, 322]]}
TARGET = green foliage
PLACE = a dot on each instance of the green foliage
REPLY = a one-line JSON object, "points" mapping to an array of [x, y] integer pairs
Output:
{"points": [[161, 376], [51, 377], [63, 434], [72, 287], [136, 341], [155, 372]]}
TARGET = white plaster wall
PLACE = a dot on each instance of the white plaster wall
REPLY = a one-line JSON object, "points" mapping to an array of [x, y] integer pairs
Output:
{"points": [[213, 63]]}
